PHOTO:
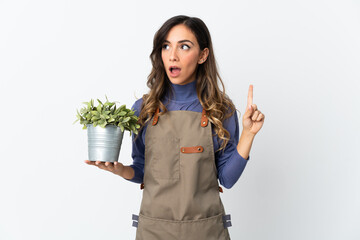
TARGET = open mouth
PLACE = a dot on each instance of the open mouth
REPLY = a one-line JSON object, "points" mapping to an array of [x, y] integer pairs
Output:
{"points": [[174, 69]]}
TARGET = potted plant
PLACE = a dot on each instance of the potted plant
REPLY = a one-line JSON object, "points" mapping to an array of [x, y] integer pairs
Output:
{"points": [[105, 126]]}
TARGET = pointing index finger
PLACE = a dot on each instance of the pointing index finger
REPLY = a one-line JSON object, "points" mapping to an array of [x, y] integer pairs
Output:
{"points": [[250, 95]]}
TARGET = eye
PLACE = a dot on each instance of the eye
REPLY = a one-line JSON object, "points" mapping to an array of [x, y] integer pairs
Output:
{"points": [[185, 47], [165, 46]]}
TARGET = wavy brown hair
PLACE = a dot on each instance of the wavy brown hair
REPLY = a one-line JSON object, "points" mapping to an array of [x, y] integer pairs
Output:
{"points": [[212, 99]]}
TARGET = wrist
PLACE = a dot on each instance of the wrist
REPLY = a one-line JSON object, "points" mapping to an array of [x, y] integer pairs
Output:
{"points": [[127, 172], [247, 135]]}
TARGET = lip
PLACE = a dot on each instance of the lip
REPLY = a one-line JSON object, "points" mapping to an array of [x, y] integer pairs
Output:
{"points": [[174, 67], [174, 74]]}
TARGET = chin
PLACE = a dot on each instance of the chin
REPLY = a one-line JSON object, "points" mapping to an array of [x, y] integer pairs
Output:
{"points": [[176, 81]]}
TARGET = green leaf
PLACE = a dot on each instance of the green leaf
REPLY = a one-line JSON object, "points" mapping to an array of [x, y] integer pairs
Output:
{"points": [[100, 102], [84, 127], [88, 116], [126, 119], [94, 118], [123, 113], [122, 107], [121, 127], [96, 113], [132, 127]]}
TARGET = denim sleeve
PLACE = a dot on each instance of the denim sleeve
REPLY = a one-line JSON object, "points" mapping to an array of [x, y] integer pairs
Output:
{"points": [[230, 163]]}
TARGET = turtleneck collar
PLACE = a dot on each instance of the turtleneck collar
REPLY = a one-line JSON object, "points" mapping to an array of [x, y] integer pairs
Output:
{"points": [[183, 93]]}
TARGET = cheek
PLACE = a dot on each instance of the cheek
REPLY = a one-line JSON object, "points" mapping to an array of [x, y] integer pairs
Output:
{"points": [[191, 60], [162, 58]]}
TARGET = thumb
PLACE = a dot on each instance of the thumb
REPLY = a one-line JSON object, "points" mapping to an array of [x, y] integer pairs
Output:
{"points": [[249, 111]]}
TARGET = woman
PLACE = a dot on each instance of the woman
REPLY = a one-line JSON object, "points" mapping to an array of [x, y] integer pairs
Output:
{"points": [[188, 139]]}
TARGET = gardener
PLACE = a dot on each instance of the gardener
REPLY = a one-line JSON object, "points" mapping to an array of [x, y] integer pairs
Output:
{"points": [[188, 139]]}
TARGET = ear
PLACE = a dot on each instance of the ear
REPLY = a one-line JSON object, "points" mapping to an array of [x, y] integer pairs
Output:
{"points": [[203, 56]]}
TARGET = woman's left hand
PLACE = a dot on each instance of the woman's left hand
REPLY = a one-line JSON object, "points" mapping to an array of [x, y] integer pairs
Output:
{"points": [[253, 119]]}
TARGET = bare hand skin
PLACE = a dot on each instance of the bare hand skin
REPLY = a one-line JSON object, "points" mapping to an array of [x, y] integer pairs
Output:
{"points": [[252, 122], [115, 167], [253, 119]]}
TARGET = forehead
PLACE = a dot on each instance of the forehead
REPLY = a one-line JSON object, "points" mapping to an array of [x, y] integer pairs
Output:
{"points": [[180, 32]]}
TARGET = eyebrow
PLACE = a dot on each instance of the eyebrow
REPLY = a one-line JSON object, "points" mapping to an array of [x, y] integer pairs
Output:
{"points": [[181, 41]]}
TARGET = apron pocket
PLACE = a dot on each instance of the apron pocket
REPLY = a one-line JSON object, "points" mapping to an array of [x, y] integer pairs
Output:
{"points": [[156, 229], [164, 157], [211, 228]]}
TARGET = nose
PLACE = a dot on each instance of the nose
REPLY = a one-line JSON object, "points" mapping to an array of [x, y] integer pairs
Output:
{"points": [[173, 55]]}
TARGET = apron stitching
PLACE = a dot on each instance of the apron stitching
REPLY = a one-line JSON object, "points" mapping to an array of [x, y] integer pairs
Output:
{"points": [[183, 221]]}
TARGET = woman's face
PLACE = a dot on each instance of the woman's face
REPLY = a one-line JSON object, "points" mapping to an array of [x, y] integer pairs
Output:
{"points": [[181, 55]]}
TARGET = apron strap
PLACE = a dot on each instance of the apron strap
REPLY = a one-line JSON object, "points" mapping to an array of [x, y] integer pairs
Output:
{"points": [[204, 119], [226, 221], [156, 117], [136, 220]]}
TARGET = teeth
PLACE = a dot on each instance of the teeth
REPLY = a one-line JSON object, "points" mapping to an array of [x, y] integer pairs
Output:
{"points": [[172, 68]]}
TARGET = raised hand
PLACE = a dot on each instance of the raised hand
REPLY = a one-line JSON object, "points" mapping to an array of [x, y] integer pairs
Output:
{"points": [[253, 119]]}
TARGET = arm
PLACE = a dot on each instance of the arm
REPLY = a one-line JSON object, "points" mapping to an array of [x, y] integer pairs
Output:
{"points": [[128, 173], [245, 142], [135, 172], [230, 163], [253, 120]]}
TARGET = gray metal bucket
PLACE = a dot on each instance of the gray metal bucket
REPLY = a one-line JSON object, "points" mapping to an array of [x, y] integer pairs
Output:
{"points": [[104, 143]]}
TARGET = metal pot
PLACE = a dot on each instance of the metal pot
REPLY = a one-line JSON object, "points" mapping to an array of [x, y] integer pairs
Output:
{"points": [[104, 143]]}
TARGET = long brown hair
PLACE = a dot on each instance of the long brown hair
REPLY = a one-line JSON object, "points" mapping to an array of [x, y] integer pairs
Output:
{"points": [[212, 99]]}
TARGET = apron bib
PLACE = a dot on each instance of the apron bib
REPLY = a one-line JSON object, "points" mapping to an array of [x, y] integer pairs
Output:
{"points": [[181, 199]]}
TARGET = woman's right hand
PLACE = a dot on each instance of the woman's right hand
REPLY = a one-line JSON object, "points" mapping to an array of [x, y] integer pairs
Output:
{"points": [[114, 167]]}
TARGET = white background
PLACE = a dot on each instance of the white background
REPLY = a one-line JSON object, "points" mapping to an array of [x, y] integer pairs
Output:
{"points": [[302, 57]]}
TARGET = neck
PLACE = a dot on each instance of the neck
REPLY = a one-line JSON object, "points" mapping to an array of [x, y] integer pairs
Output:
{"points": [[183, 93]]}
